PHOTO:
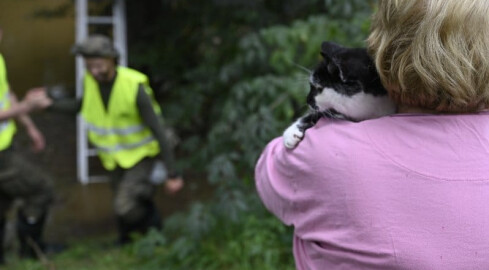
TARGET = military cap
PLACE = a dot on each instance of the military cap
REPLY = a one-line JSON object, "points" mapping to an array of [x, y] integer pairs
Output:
{"points": [[95, 46]]}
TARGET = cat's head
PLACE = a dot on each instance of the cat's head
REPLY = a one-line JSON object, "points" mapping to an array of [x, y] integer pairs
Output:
{"points": [[346, 84]]}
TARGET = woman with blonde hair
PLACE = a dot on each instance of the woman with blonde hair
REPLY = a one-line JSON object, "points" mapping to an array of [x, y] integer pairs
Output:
{"points": [[406, 191]]}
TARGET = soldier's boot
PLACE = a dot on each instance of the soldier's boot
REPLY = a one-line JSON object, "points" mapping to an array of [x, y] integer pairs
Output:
{"points": [[2, 236], [29, 233], [155, 219], [124, 229], [151, 219]]}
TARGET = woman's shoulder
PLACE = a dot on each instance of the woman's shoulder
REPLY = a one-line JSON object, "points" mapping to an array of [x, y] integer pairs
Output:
{"points": [[404, 122], [336, 132]]}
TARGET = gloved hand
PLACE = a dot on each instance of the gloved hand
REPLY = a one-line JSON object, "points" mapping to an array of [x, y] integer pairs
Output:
{"points": [[57, 92], [159, 173]]}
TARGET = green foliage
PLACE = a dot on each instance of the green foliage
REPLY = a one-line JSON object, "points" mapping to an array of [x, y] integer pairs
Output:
{"points": [[263, 99], [258, 241], [230, 75], [85, 255], [349, 9], [247, 86], [250, 99]]}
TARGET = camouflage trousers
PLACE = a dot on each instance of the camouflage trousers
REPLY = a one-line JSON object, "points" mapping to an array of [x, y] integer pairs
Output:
{"points": [[19, 179], [133, 191]]}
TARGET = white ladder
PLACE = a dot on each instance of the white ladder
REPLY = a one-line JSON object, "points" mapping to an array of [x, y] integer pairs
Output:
{"points": [[83, 21]]}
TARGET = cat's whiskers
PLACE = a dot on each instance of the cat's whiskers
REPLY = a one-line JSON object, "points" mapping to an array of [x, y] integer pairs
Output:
{"points": [[303, 68], [315, 82], [327, 114], [304, 79]]}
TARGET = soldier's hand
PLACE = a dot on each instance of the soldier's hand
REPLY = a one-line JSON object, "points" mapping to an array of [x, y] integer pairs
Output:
{"points": [[37, 139], [37, 99], [173, 185]]}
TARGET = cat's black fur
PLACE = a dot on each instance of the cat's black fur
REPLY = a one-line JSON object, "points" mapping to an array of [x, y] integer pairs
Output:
{"points": [[344, 85]]}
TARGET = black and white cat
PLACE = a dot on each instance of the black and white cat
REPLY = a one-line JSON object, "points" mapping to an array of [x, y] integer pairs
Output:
{"points": [[345, 85]]}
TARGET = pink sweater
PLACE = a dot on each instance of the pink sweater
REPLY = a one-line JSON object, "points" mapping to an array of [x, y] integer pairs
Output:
{"points": [[399, 192]]}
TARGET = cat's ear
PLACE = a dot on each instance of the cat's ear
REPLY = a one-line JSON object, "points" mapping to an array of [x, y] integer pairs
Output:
{"points": [[328, 52], [328, 49], [348, 71], [343, 70], [342, 62], [354, 65]]}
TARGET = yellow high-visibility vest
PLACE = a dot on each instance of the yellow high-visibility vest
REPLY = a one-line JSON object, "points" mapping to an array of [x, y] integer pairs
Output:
{"points": [[118, 133], [7, 127]]}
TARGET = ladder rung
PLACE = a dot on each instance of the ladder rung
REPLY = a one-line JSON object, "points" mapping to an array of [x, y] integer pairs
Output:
{"points": [[98, 179], [92, 152], [100, 20], [84, 21]]}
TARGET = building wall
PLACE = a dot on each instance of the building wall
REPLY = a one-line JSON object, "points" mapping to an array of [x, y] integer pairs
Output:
{"points": [[38, 35]]}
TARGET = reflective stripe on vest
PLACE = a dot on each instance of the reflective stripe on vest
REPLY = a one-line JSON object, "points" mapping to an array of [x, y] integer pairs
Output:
{"points": [[4, 104], [120, 147], [4, 101], [116, 130], [7, 127], [4, 125]]}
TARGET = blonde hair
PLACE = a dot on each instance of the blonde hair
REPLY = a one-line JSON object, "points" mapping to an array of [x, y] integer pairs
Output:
{"points": [[433, 54]]}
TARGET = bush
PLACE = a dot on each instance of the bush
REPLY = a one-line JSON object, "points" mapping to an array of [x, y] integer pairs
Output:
{"points": [[247, 100], [231, 75], [257, 241]]}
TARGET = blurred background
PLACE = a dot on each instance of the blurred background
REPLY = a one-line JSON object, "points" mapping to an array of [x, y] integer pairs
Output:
{"points": [[230, 75]]}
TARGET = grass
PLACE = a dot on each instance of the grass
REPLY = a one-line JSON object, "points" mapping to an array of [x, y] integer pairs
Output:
{"points": [[256, 242], [93, 254]]}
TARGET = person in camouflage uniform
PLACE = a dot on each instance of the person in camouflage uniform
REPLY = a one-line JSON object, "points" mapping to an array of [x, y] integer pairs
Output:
{"points": [[123, 124], [18, 178]]}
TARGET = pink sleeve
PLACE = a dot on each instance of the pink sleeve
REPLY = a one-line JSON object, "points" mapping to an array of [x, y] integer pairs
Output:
{"points": [[276, 176]]}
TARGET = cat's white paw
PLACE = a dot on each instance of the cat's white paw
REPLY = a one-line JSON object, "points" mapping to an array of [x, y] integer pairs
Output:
{"points": [[292, 136]]}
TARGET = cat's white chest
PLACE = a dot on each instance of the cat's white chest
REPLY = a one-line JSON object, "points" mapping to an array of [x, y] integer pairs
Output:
{"points": [[360, 106]]}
